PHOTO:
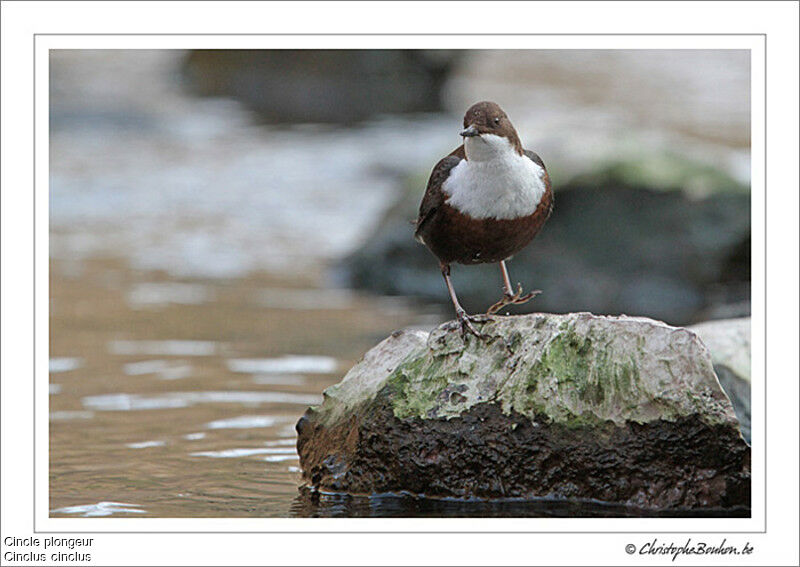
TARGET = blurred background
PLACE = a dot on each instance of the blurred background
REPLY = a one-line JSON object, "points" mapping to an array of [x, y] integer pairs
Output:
{"points": [[230, 231]]}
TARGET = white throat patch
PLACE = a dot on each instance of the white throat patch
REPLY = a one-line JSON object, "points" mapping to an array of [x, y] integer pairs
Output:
{"points": [[494, 181]]}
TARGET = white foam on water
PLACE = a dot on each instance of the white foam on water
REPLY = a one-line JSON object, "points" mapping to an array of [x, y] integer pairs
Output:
{"points": [[170, 347], [288, 364], [54, 389], [145, 444], [101, 509], [70, 415], [170, 400], [294, 469], [64, 364], [159, 294]]}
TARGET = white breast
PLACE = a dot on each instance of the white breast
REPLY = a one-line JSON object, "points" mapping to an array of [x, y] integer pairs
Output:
{"points": [[498, 184]]}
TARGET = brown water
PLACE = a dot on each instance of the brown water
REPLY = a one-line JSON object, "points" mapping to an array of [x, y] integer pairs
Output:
{"points": [[201, 427]]}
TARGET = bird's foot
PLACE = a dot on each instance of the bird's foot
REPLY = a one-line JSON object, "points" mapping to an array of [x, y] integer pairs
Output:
{"points": [[516, 299], [466, 321]]}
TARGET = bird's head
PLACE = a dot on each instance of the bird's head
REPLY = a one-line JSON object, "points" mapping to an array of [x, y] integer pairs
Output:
{"points": [[488, 132]]}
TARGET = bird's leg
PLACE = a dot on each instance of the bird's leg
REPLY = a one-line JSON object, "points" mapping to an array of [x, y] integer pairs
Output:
{"points": [[461, 315], [509, 297]]}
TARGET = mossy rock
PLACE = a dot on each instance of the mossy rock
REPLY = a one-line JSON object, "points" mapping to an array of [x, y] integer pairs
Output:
{"points": [[577, 406]]}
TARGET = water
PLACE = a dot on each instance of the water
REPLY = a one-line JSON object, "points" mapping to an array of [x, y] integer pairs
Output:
{"points": [[319, 505], [191, 320], [207, 427]]}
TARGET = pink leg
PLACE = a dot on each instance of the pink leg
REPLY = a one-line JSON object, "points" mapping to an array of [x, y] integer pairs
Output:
{"points": [[509, 297], [461, 315]]}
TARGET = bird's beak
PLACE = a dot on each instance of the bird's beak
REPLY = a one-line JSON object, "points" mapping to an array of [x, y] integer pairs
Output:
{"points": [[471, 130]]}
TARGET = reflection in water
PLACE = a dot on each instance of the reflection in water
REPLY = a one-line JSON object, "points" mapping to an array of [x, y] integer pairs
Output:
{"points": [[178, 348], [134, 402], [64, 364], [305, 299], [279, 379], [194, 436], [67, 415], [101, 509], [152, 294], [244, 422], [281, 458], [316, 505], [166, 370], [287, 364], [145, 444], [234, 453]]}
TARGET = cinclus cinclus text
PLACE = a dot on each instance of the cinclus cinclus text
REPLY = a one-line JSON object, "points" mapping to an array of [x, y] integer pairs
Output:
{"points": [[484, 202]]}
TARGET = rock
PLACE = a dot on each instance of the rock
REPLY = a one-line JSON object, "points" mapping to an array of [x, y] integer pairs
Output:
{"points": [[729, 343], [620, 410], [617, 242], [331, 86]]}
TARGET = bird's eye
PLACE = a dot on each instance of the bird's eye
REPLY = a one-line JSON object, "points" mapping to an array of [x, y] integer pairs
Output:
{"points": [[497, 120]]}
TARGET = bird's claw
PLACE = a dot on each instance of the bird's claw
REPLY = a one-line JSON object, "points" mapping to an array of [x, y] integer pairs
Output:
{"points": [[516, 299], [466, 324]]}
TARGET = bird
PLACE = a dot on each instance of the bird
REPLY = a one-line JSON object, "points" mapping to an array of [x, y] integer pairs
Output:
{"points": [[484, 202]]}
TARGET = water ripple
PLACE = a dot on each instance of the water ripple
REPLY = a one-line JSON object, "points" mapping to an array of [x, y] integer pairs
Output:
{"points": [[101, 509], [135, 402]]}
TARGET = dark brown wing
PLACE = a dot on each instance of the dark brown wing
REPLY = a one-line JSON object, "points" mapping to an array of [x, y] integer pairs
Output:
{"points": [[434, 196], [534, 157]]}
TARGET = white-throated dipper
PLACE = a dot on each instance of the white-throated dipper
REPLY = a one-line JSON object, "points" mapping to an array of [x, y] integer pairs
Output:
{"points": [[485, 201]]}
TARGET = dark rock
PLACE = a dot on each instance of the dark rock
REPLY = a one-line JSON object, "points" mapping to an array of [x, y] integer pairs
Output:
{"points": [[311, 85], [738, 391], [576, 407]]}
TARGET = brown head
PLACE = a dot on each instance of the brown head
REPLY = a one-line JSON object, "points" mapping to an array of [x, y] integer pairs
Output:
{"points": [[487, 118]]}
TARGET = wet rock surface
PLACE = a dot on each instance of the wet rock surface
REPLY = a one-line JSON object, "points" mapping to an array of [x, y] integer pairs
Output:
{"points": [[620, 240], [575, 407]]}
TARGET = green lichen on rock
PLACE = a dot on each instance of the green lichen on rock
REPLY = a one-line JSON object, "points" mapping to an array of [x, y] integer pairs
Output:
{"points": [[450, 377], [417, 384], [577, 370]]}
